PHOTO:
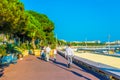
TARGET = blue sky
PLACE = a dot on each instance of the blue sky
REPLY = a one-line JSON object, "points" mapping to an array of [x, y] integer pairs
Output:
{"points": [[76, 20]]}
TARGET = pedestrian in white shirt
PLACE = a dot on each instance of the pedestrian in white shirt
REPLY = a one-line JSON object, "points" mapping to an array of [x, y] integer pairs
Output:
{"points": [[69, 54], [47, 51], [55, 53]]}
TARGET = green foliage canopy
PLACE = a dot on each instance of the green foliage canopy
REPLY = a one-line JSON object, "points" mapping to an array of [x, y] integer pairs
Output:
{"points": [[12, 17], [15, 20]]}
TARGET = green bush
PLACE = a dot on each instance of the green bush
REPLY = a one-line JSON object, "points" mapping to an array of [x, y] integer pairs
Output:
{"points": [[10, 48], [24, 46], [1, 39], [3, 50]]}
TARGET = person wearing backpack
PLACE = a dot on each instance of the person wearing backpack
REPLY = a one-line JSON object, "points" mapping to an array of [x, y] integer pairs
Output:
{"points": [[43, 56]]}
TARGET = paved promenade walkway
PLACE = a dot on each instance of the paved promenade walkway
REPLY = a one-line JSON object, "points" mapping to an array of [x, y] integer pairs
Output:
{"points": [[32, 68]]}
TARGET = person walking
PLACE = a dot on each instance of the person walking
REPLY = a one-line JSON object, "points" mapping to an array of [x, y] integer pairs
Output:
{"points": [[69, 55], [47, 51], [42, 53], [54, 54]]}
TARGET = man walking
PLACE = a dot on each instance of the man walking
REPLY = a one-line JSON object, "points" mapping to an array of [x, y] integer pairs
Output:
{"points": [[69, 54], [47, 50], [55, 53]]}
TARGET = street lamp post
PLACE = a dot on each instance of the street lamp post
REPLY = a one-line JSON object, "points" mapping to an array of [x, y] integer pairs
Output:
{"points": [[108, 43], [56, 40], [86, 42]]}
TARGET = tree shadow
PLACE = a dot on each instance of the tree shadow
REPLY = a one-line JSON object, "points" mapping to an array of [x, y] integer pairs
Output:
{"points": [[91, 72], [59, 63], [86, 70], [64, 66], [75, 67], [1, 72], [80, 75]]}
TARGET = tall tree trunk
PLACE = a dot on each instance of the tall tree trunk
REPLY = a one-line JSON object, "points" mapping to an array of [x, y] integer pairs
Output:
{"points": [[33, 44]]}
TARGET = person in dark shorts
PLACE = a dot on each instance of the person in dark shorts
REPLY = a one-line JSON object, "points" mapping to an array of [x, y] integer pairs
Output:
{"points": [[43, 56]]}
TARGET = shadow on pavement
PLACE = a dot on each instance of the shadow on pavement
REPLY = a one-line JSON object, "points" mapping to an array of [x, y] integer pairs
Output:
{"points": [[91, 72], [79, 75], [59, 63], [1, 72], [64, 66], [78, 68], [39, 58]]}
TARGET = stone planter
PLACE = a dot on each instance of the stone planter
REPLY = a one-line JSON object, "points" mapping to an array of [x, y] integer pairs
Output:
{"points": [[37, 52], [25, 53]]}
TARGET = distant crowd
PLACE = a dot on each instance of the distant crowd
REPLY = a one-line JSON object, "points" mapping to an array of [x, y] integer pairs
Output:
{"points": [[46, 53]]}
